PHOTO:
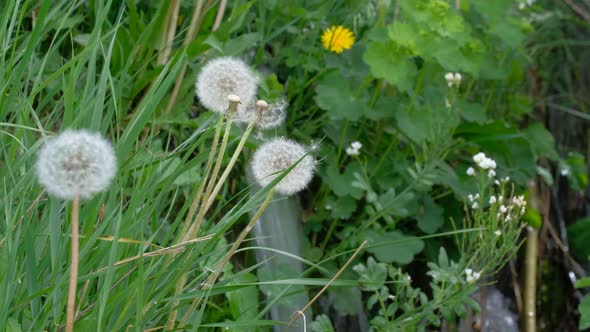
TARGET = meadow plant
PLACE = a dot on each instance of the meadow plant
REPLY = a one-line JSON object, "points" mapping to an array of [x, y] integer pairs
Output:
{"points": [[75, 164]]}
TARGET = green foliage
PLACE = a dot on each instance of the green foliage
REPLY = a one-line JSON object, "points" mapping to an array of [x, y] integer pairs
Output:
{"points": [[101, 65]]}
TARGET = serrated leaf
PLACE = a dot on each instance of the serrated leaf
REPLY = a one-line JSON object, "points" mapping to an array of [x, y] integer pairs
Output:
{"points": [[335, 95], [388, 63]]}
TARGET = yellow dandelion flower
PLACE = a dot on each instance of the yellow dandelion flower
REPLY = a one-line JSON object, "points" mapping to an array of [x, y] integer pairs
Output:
{"points": [[337, 38]]}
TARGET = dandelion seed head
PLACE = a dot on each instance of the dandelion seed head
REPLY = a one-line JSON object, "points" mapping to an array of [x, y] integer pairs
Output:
{"points": [[278, 155], [222, 77], [76, 162]]}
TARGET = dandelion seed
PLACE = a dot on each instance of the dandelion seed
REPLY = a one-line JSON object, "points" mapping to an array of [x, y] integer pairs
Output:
{"points": [[470, 171], [222, 77], [263, 114], [337, 38], [76, 162], [276, 156]]}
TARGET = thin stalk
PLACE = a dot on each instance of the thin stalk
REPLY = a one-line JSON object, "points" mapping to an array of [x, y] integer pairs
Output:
{"points": [[193, 29], [70, 312], [219, 16], [300, 312], [213, 277], [171, 21], [194, 229], [197, 199], [530, 286]]}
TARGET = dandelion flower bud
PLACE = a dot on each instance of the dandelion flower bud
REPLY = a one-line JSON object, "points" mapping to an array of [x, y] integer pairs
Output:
{"points": [[276, 156], [223, 77], [76, 162], [263, 114], [233, 98]]}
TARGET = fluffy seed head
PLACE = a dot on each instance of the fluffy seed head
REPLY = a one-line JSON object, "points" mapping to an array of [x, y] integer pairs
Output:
{"points": [[76, 162], [223, 77], [263, 114], [276, 156]]}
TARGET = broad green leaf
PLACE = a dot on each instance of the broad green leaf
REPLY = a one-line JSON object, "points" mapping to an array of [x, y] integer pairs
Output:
{"points": [[430, 216], [335, 94], [579, 237], [541, 141], [394, 247], [584, 310], [321, 324], [388, 63]]}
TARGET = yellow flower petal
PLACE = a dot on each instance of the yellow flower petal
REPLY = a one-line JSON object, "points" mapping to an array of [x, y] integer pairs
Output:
{"points": [[337, 38]]}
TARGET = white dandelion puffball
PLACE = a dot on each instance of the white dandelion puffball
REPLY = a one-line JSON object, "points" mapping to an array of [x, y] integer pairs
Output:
{"points": [[222, 77], [276, 156], [76, 162], [263, 114]]}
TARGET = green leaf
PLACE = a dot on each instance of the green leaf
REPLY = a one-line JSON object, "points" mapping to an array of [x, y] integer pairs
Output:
{"points": [[342, 207], [579, 237], [243, 302], [346, 300], [341, 184], [584, 310], [394, 247], [388, 63], [583, 283], [321, 324], [472, 112], [335, 95], [541, 141], [430, 216]]}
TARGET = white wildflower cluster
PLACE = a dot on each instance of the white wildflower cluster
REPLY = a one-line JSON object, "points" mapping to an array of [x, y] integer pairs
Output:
{"points": [[471, 276], [76, 162], [354, 148], [453, 79], [484, 163], [226, 76], [473, 200], [523, 4], [278, 155]]}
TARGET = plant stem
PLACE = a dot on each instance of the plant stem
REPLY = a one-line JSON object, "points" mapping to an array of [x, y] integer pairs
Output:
{"points": [[171, 22], [193, 29], [74, 266], [300, 312], [197, 199], [530, 287], [219, 16], [213, 277], [194, 230]]}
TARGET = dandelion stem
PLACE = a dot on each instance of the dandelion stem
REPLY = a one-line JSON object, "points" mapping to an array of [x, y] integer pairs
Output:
{"points": [[74, 266], [197, 199], [213, 277]]}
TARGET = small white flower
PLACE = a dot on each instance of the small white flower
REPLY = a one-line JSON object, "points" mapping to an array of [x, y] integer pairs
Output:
{"points": [[468, 271], [492, 199], [478, 158], [352, 152], [476, 196], [470, 197], [356, 145], [506, 179], [76, 162], [491, 173], [503, 209], [508, 218], [470, 171], [498, 233], [276, 156], [354, 148], [474, 205], [476, 275], [328, 207], [453, 79]]}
